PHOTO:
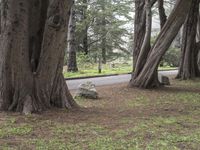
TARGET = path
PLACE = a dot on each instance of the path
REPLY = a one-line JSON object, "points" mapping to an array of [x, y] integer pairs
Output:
{"points": [[73, 84]]}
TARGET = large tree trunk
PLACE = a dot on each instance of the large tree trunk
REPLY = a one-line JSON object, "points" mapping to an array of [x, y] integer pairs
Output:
{"points": [[146, 46], [72, 64], [188, 65], [198, 28], [147, 77], [33, 40], [139, 28], [198, 41]]}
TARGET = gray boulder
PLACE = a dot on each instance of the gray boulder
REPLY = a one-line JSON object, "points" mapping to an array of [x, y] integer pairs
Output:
{"points": [[164, 80], [87, 90]]}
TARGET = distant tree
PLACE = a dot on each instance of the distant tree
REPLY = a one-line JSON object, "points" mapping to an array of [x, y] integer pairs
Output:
{"points": [[106, 30], [33, 40], [83, 21], [72, 48]]}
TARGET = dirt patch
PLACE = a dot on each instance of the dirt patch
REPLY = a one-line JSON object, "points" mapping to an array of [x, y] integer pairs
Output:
{"points": [[123, 118]]}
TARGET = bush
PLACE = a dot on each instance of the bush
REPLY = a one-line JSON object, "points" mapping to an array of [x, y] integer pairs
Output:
{"points": [[84, 61], [171, 58]]}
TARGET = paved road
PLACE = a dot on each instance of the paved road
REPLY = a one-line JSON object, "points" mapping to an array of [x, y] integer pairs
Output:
{"points": [[73, 84]]}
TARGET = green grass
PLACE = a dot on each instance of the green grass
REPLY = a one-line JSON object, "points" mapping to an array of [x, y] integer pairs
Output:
{"points": [[8, 129], [92, 70], [148, 120]]}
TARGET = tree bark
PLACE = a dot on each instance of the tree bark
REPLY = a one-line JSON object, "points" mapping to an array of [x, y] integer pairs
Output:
{"points": [[162, 15], [32, 46], [85, 31], [188, 65], [72, 64], [146, 46], [139, 29], [147, 78], [198, 41], [198, 29], [103, 30]]}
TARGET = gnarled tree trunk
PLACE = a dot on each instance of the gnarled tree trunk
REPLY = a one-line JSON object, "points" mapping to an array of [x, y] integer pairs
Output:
{"points": [[33, 40], [146, 46], [188, 65], [147, 77], [139, 28]]}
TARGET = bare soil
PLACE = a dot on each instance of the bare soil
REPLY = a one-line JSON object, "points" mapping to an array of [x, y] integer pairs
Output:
{"points": [[122, 118]]}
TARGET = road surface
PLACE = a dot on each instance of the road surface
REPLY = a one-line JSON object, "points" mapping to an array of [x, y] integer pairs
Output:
{"points": [[99, 81]]}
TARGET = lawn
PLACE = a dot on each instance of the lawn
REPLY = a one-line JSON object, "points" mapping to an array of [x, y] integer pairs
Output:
{"points": [[92, 70], [121, 119]]}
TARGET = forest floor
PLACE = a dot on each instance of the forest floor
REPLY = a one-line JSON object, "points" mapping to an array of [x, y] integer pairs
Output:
{"points": [[122, 119]]}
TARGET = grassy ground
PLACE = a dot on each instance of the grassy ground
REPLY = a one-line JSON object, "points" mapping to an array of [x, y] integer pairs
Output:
{"points": [[122, 119], [92, 70]]}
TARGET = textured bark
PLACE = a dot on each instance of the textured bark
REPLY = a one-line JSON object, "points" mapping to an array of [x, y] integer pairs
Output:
{"points": [[162, 15], [37, 18], [31, 77], [198, 41], [146, 46], [147, 78], [188, 65], [139, 29], [72, 64], [198, 28]]}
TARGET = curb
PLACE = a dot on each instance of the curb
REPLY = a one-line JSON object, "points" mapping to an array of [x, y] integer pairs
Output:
{"points": [[97, 76]]}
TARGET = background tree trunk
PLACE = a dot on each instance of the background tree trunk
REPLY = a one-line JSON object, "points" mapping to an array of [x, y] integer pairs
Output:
{"points": [[72, 64], [147, 78], [162, 15], [188, 65], [103, 40], [85, 31], [32, 45], [139, 29]]}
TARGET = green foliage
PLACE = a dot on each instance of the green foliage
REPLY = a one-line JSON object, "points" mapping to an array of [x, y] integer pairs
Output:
{"points": [[150, 120], [83, 60], [105, 23], [8, 130], [88, 68], [171, 58]]}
